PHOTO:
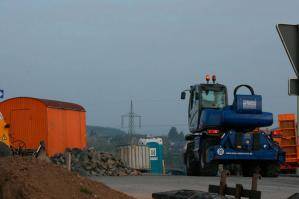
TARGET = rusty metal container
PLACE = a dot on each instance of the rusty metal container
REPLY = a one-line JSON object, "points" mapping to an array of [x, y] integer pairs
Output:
{"points": [[288, 140], [135, 156], [59, 124]]}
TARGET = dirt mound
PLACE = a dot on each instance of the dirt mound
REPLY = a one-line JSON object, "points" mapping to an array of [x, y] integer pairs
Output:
{"points": [[29, 178]]}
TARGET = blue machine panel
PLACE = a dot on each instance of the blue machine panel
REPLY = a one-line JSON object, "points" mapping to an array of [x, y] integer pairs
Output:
{"points": [[225, 151], [248, 104], [211, 118], [246, 120], [246, 112]]}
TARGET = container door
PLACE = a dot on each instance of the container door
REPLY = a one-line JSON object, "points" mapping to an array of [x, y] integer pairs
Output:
{"points": [[21, 129], [156, 158]]}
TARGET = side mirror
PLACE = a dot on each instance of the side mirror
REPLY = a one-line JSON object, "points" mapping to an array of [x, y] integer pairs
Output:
{"points": [[7, 126], [183, 95]]}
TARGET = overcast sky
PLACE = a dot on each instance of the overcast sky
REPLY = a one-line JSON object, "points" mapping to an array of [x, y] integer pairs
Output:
{"points": [[102, 53]]}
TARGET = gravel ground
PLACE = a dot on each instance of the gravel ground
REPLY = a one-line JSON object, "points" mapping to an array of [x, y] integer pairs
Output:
{"points": [[143, 186]]}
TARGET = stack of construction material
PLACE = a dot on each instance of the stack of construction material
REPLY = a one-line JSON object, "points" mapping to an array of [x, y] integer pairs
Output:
{"points": [[92, 163], [135, 156], [287, 139]]}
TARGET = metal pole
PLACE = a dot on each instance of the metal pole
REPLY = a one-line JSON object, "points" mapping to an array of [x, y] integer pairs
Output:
{"points": [[223, 182], [69, 161], [254, 180], [297, 170]]}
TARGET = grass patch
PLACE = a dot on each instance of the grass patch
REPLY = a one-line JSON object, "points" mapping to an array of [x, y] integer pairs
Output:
{"points": [[85, 190]]}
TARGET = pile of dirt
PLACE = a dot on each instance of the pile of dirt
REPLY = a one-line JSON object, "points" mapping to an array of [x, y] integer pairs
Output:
{"points": [[93, 163], [29, 178]]}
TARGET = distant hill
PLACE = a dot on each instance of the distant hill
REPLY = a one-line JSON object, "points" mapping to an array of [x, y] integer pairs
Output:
{"points": [[103, 131], [107, 139]]}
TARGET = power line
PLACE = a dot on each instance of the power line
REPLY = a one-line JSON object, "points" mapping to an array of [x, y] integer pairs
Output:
{"points": [[152, 125], [170, 100], [162, 125]]}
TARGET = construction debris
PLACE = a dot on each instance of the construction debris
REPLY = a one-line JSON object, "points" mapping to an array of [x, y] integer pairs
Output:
{"points": [[92, 163], [215, 192], [30, 178], [188, 194]]}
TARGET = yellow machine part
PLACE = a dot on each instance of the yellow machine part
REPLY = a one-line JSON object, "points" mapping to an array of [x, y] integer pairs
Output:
{"points": [[4, 132]]}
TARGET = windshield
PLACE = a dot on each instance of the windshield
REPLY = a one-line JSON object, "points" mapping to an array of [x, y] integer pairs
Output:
{"points": [[213, 99]]}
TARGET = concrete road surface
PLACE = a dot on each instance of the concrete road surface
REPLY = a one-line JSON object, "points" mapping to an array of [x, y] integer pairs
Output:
{"points": [[143, 186]]}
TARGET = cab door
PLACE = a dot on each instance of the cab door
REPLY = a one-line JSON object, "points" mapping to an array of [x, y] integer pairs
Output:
{"points": [[193, 110]]}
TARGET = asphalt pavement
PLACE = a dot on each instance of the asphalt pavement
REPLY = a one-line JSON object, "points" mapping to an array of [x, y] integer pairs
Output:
{"points": [[143, 186]]}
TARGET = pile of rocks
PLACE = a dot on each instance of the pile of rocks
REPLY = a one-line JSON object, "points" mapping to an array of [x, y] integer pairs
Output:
{"points": [[92, 163]]}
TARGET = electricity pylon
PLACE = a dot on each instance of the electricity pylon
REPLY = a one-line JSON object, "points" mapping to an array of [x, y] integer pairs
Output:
{"points": [[131, 125]]}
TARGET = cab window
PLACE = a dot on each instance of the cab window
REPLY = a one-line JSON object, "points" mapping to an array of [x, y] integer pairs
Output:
{"points": [[213, 99], [193, 99]]}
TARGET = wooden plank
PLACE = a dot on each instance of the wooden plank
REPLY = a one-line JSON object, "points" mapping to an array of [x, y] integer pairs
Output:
{"points": [[252, 194]]}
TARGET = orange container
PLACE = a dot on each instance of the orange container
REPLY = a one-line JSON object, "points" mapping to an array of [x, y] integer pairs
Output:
{"points": [[286, 121], [288, 141], [286, 116], [60, 125]]}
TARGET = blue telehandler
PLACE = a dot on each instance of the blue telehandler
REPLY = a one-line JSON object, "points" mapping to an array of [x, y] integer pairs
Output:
{"points": [[228, 134]]}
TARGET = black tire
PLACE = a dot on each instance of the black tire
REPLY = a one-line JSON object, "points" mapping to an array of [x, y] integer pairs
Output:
{"points": [[248, 169], [211, 168], [192, 167], [234, 169], [270, 170], [4, 150]]}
